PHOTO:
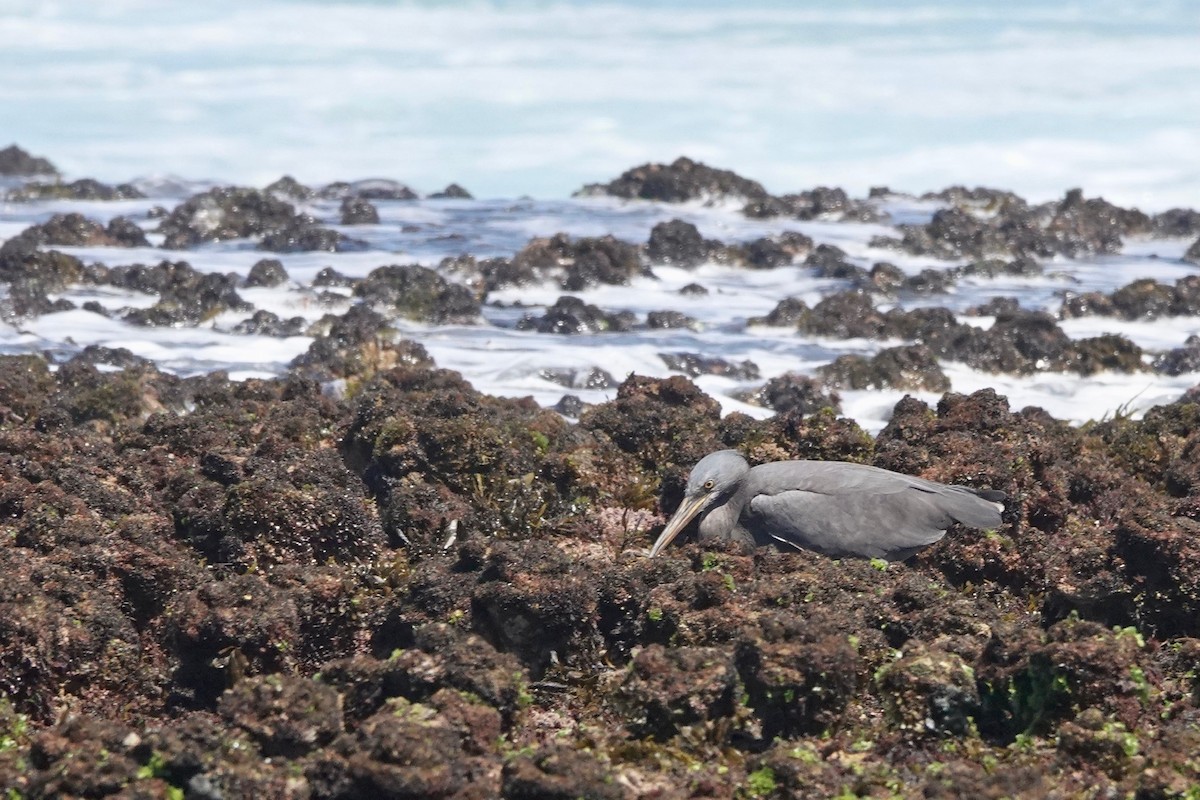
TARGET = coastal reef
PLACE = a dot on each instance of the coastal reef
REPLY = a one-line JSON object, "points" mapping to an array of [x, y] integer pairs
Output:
{"points": [[365, 578]]}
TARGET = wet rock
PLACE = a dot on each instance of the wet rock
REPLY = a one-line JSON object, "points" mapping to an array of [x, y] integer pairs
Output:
{"points": [[886, 277], [694, 365], [662, 320], [287, 716], [693, 290], [846, 315], [31, 274], [267, 323], [682, 180], [594, 378], [646, 410], [82, 189], [786, 314], [766, 253], [358, 211], [17, 162], [570, 315], [185, 295], [830, 261], [418, 293], [359, 344], [570, 405], [531, 601], [1089, 226], [678, 244], [1176, 223], [268, 272], [995, 307], [452, 192], [289, 188], [328, 276], [229, 213], [559, 772], [912, 367], [668, 690], [798, 675], [76, 230], [1181, 359], [406, 750], [382, 189], [303, 236], [573, 264], [929, 691], [819, 203], [793, 392]]}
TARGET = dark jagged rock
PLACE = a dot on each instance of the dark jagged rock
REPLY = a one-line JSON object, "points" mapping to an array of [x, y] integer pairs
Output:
{"points": [[82, 189], [328, 276], [792, 392], [359, 344], [594, 378], [829, 261], [678, 244], [821, 202], [76, 230], [910, 367], [452, 192], [693, 290], [1192, 254], [571, 315], [1141, 299], [1181, 359], [661, 320], [267, 323], [225, 213], [303, 237], [184, 294], [267, 272], [682, 180], [573, 264], [1073, 227], [1177, 222], [694, 364], [358, 211], [418, 293], [289, 188], [17, 162]]}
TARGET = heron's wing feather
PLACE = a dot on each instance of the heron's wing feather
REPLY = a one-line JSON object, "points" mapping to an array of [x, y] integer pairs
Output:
{"points": [[879, 526], [852, 509]]}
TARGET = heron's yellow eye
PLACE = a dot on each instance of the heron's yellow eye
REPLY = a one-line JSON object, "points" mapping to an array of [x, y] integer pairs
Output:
{"points": [[708, 485]]}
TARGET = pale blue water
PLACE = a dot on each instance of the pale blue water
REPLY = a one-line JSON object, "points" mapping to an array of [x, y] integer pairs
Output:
{"points": [[538, 98]]}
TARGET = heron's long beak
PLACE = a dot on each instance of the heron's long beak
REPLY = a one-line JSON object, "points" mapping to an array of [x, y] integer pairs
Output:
{"points": [[687, 511]]}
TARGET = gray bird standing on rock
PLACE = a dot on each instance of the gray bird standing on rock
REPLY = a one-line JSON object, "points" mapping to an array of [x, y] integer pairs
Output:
{"points": [[832, 507]]}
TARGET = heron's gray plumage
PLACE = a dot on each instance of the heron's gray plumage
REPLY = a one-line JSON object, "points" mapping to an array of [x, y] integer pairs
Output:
{"points": [[831, 507]]}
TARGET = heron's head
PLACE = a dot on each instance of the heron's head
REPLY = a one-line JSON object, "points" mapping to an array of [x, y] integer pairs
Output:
{"points": [[713, 480]]}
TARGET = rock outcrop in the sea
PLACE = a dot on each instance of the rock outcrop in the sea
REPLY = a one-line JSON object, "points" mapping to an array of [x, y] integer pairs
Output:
{"points": [[1145, 299], [570, 315], [75, 230], [418, 293], [236, 213], [1020, 341], [16, 162], [677, 182], [82, 189]]}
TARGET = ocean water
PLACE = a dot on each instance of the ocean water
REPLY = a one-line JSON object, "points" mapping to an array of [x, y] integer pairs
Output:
{"points": [[524, 102], [536, 98]]}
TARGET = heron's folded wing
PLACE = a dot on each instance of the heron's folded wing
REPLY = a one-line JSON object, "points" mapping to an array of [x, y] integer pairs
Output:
{"points": [[890, 525]]}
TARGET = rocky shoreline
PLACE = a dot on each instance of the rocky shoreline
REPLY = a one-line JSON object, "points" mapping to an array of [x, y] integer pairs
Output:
{"points": [[407, 588]]}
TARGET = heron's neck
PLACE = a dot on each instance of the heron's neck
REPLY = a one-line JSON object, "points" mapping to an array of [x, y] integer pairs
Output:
{"points": [[721, 523]]}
